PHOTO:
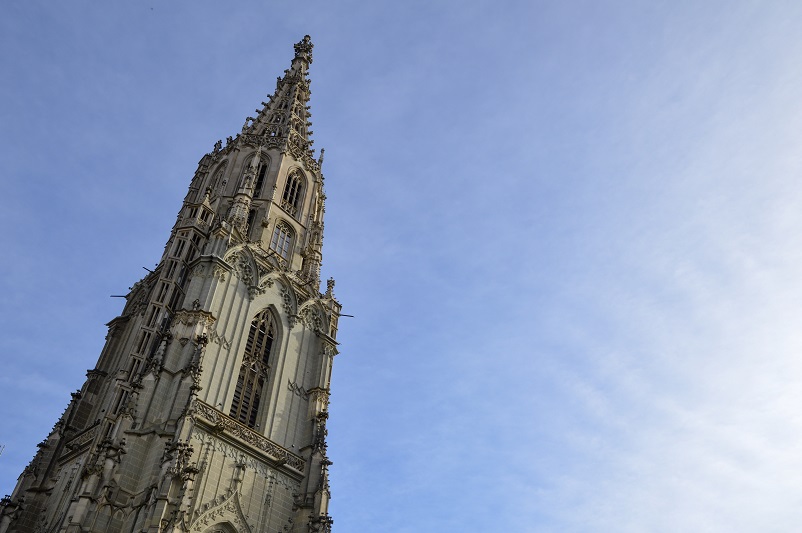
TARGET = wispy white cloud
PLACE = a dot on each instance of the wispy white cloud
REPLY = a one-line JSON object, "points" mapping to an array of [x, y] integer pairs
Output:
{"points": [[568, 235]]}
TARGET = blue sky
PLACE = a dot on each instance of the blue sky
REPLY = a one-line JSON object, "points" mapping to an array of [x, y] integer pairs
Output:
{"points": [[568, 231]]}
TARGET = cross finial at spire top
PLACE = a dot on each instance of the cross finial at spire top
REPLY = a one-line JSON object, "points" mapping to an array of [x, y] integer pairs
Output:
{"points": [[303, 49]]}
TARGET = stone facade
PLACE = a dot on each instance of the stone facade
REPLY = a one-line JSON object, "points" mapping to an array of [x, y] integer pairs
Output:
{"points": [[206, 411]]}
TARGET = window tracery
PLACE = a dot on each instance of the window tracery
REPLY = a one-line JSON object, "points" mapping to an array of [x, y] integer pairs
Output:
{"points": [[218, 183], [282, 239], [293, 190], [254, 370], [261, 172]]}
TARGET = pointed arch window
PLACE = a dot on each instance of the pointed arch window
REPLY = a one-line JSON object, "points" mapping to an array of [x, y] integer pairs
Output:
{"points": [[261, 171], [254, 370], [251, 217], [218, 183], [281, 242], [293, 191]]}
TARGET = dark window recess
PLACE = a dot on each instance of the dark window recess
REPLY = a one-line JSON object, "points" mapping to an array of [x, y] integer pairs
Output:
{"points": [[170, 269], [182, 275], [254, 370], [260, 179], [176, 299], [251, 218], [292, 194], [179, 248]]}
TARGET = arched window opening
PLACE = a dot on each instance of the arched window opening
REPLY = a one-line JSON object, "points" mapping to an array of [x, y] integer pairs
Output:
{"points": [[218, 183], [261, 171], [290, 200], [254, 370], [251, 218], [282, 240]]}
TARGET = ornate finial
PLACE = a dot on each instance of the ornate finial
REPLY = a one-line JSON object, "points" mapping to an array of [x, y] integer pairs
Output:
{"points": [[320, 159], [330, 287], [303, 50]]}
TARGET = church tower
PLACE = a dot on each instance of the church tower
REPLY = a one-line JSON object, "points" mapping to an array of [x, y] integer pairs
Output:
{"points": [[206, 411]]}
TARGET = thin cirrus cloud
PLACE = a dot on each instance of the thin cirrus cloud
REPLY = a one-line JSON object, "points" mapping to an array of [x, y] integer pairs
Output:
{"points": [[568, 234]]}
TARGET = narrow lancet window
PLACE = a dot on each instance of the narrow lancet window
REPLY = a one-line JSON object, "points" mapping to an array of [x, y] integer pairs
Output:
{"points": [[282, 239], [290, 200], [260, 179], [261, 171], [218, 183], [254, 370]]}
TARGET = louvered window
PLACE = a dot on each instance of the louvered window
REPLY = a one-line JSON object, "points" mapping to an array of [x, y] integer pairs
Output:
{"points": [[290, 200]]}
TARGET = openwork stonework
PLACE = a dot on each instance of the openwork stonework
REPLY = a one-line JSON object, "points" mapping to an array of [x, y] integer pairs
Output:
{"points": [[207, 409], [220, 422]]}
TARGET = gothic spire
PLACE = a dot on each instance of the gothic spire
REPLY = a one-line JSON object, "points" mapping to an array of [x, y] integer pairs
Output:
{"points": [[286, 115]]}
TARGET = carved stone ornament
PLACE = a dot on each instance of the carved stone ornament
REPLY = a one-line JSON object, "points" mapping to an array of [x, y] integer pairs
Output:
{"points": [[219, 273], [303, 49], [257, 290], [312, 319], [82, 438], [248, 270], [330, 288], [306, 156], [329, 349], [262, 269], [267, 141], [191, 318], [244, 270], [320, 524], [286, 302], [220, 511], [246, 434], [320, 397]]}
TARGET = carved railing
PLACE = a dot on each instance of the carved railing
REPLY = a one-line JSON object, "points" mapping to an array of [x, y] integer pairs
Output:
{"points": [[83, 437], [221, 422]]}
